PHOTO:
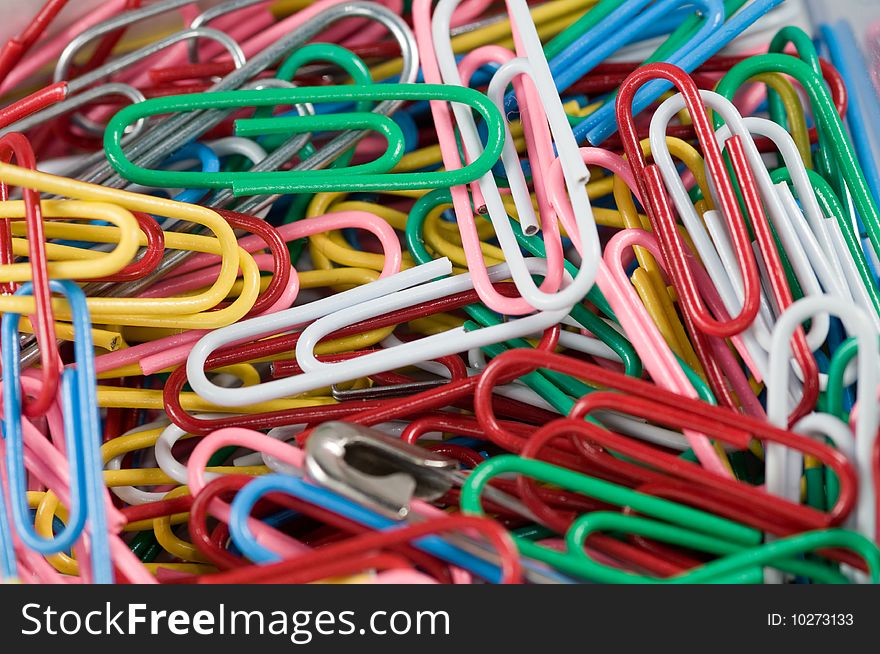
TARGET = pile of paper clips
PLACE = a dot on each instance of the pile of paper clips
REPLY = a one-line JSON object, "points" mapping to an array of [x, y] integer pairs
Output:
{"points": [[456, 292]]}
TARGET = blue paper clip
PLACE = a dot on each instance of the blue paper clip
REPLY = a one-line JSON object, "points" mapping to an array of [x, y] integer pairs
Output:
{"points": [[602, 123], [863, 113], [252, 493], [624, 26], [210, 164], [82, 431]]}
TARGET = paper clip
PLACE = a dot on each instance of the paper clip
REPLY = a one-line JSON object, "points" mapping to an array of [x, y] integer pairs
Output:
{"points": [[747, 162], [381, 472], [16, 145], [66, 104], [124, 20], [87, 497], [532, 65], [16, 48], [603, 122], [842, 153], [176, 131], [625, 25], [586, 365], [290, 182], [690, 412], [648, 178], [361, 303], [781, 467], [688, 526], [191, 311]]}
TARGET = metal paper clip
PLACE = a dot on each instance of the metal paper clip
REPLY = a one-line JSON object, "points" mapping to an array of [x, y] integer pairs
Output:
{"points": [[385, 473], [371, 468]]}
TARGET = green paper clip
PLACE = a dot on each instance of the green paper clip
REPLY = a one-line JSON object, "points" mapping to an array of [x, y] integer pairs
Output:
{"points": [[364, 177]]}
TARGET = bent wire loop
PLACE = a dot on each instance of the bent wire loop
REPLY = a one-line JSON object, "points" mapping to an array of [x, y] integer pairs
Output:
{"points": [[325, 316], [660, 212], [81, 443], [546, 127], [781, 466], [742, 557], [18, 147], [248, 183], [585, 366], [756, 187], [192, 311], [841, 149], [671, 410]]}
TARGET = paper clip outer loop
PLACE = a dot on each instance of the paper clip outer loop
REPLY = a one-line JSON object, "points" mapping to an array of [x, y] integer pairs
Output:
{"points": [[248, 183], [693, 412], [694, 519], [651, 188], [828, 120], [82, 425], [188, 312], [786, 510], [17, 145]]}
